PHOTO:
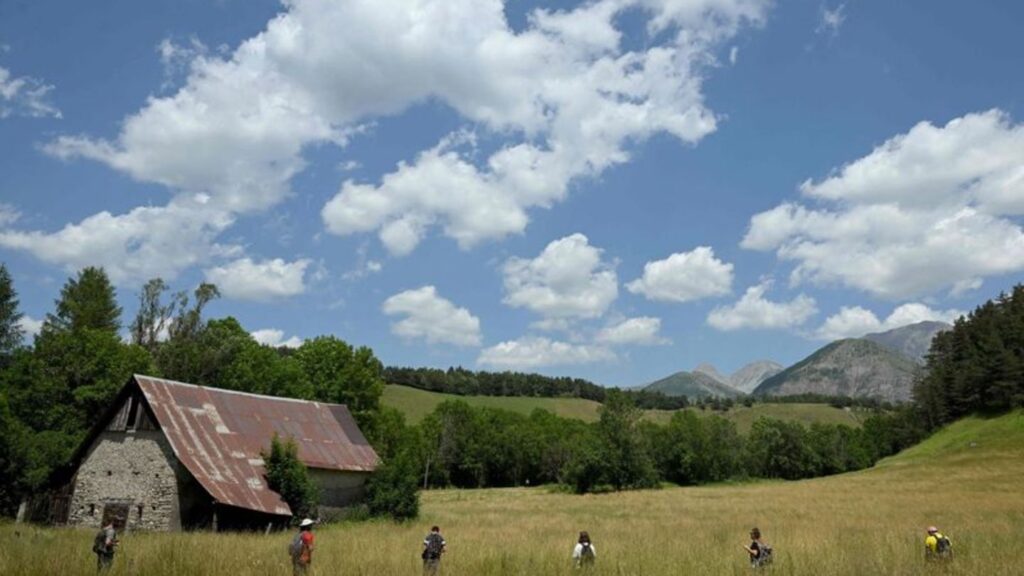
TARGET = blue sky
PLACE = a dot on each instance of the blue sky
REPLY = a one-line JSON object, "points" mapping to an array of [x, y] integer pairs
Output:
{"points": [[615, 190]]}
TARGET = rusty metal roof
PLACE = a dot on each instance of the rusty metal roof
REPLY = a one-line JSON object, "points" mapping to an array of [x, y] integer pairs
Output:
{"points": [[218, 435]]}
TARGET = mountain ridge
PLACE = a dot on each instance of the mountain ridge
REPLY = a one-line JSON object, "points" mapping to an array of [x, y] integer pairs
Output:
{"points": [[913, 340], [692, 385], [853, 367]]}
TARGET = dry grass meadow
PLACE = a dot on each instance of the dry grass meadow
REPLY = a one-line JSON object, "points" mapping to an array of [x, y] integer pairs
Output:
{"points": [[969, 480]]}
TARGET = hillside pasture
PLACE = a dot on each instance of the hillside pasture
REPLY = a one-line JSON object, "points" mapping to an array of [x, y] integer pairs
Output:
{"points": [[968, 479], [416, 404]]}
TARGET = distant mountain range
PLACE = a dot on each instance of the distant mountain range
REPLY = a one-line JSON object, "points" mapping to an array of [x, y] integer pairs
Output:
{"points": [[706, 381], [882, 365], [912, 341], [854, 367], [692, 385]]}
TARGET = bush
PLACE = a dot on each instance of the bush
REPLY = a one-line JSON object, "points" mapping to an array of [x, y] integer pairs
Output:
{"points": [[393, 489], [586, 468], [288, 476]]}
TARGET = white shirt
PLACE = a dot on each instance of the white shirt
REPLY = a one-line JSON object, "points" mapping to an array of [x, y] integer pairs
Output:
{"points": [[577, 552]]}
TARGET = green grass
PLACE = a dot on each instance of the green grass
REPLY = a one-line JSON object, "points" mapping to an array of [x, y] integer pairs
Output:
{"points": [[968, 440], [865, 523], [416, 404]]}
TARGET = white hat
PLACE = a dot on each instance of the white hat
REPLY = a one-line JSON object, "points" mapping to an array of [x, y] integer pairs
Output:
{"points": [[306, 522]]}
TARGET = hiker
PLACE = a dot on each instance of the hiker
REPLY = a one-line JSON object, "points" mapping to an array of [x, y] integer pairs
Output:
{"points": [[104, 545], [584, 554], [433, 547], [937, 546], [760, 553], [301, 548]]}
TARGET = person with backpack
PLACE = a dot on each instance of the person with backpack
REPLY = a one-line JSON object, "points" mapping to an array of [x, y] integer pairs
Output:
{"points": [[434, 546], [104, 545], [937, 546], [584, 554], [301, 548], [760, 553]]}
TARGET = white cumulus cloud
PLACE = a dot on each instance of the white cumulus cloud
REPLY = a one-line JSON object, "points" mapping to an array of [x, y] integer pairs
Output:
{"points": [[643, 330], [275, 338], [684, 276], [566, 91], [534, 352], [933, 209], [246, 279], [855, 321], [432, 318], [753, 310], [567, 280], [143, 243], [563, 92]]}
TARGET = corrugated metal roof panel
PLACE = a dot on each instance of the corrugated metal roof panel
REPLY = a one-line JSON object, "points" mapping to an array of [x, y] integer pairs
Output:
{"points": [[218, 435]]}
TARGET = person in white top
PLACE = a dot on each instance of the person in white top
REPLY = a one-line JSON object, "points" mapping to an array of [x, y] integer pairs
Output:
{"points": [[584, 554]]}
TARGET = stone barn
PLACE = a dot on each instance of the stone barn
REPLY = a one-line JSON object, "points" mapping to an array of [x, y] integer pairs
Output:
{"points": [[170, 456]]}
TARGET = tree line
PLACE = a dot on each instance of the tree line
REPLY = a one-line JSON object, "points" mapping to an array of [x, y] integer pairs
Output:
{"points": [[462, 446], [463, 382], [978, 366]]}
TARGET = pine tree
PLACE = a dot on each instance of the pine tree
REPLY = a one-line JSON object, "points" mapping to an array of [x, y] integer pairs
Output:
{"points": [[87, 302], [10, 328], [288, 476]]}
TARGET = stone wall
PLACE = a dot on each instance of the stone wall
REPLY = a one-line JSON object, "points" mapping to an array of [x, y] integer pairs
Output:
{"points": [[134, 468]]}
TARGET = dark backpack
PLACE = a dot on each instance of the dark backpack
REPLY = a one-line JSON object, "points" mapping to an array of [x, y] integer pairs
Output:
{"points": [[295, 548], [435, 543], [943, 547], [99, 543], [587, 555], [764, 555]]}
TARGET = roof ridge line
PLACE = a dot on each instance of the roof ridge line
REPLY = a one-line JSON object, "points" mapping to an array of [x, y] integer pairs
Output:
{"points": [[226, 391]]}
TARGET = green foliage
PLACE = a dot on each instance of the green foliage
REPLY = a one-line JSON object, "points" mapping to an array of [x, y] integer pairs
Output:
{"points": [[693, 449], [462, 382], [10, 330], [337, 373], [586, 468], [287, 476], [978, 366], [154, 317], [628, 461], [393, 490], [387, 432], [13, 459], [87, 302], [780, 449]]}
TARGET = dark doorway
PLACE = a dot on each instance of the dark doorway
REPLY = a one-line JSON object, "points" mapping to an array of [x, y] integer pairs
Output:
{"points": [[116, 512]]}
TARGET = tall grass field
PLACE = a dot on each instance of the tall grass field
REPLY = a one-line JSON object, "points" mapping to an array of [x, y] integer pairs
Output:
{"points": [[967, 479]]}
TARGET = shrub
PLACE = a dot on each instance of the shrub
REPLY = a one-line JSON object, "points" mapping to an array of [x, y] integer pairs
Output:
{"points": [[288, 476], [392, 490]]}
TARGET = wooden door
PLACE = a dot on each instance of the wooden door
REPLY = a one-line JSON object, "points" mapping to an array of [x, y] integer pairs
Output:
{"points": [[116, 512]]}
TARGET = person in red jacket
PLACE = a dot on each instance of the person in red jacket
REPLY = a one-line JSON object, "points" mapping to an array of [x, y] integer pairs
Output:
{"points": [[302, 548]]}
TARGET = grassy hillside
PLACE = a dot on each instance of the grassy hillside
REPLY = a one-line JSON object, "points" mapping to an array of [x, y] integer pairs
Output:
{"points": [[869, 522], [416, 404], [966, 442]]}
